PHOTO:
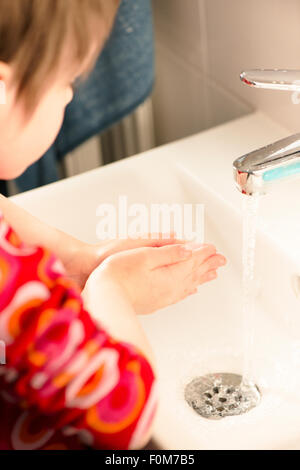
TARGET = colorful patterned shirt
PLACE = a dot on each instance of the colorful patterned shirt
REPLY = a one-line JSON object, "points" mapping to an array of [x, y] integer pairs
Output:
{"points": [[66, 382]]}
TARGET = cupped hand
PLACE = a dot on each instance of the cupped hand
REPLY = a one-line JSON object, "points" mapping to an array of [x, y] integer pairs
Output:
{"points": [[155, 277], [84, 257]]}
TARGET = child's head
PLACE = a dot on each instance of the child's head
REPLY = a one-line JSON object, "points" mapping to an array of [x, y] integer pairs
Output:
{"points": [[44, 46]]}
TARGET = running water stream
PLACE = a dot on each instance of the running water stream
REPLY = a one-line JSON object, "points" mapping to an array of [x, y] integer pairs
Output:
{"points": [[250, 220], [216, 396]]}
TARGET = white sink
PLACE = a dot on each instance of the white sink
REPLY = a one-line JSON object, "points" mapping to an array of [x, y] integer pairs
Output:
{"points": [[204, 333]]}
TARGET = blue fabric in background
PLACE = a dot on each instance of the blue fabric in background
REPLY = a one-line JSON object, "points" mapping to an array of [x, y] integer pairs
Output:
{"points": [[121, 80]]}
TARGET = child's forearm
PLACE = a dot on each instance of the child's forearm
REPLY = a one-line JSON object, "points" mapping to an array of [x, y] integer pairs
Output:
{"points": [[35, 232], [107, 303]]}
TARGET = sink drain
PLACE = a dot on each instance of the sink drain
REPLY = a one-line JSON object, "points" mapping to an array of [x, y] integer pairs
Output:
{"points": [[215, 396]]}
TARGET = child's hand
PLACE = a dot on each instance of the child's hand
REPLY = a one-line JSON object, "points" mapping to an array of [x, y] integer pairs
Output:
{"points": [[155, 277], [84, 258]]}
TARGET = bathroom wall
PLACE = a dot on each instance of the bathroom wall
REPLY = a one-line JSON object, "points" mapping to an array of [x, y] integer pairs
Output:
{"points": [[201, 47]]}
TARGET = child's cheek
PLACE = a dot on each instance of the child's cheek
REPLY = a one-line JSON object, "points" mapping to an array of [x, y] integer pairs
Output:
{"points": [[69, 95]]}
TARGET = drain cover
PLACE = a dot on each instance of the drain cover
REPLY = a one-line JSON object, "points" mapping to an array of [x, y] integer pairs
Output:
{"points": [[215, 396]]}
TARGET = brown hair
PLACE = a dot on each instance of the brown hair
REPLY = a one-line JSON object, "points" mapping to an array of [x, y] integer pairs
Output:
{"points": [[33, 34]]}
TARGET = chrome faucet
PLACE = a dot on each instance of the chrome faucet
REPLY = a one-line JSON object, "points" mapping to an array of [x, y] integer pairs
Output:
{"points": [[256, 171]]}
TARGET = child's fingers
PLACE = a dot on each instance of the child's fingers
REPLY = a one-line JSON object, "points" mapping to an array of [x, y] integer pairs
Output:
{"points": [[135, 243], [180, 260], [212, 263], [207, 277], [207, 271], [200, 255], [155, 240], [162, 240], [173, 251], [168, 255]]}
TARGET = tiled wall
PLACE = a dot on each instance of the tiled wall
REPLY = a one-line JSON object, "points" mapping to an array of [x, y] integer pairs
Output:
{"points": [[201, 47]]}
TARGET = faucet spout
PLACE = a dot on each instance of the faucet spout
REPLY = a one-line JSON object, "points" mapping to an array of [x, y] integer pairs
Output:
{"points": [[256, 171], [276, 79]]}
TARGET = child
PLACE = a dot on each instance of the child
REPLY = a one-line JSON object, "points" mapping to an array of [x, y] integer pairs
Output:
{"points": [[79, 370]]}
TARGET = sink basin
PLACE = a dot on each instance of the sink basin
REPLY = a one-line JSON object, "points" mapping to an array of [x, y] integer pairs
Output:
{"points": [[206, 333]]}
